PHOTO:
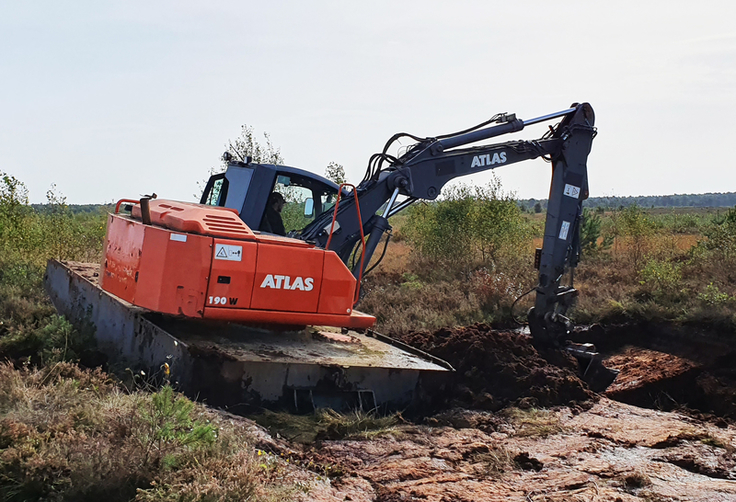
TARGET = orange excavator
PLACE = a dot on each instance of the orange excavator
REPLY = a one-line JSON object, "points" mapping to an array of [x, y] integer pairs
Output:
{"points": [[220, 261], [212, 261], [204, 262]]}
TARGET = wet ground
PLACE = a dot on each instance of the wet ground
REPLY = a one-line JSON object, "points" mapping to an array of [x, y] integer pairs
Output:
{"points": [[672, 368], [664, 368], [514, 424], [611, 452]]}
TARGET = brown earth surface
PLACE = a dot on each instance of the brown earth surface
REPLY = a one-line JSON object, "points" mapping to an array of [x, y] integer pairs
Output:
{"points": [[611, 452], [522, 428], [698, 378]]}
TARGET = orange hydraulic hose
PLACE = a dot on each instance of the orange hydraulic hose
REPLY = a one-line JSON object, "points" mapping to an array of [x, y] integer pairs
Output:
{"points": [[362, 235]]}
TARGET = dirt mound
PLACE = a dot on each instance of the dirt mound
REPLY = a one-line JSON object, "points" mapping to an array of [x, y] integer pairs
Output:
{"points": [[498, 368]]}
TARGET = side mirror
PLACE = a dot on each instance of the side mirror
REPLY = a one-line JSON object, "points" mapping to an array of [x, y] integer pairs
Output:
{"points": [[309, 207]]}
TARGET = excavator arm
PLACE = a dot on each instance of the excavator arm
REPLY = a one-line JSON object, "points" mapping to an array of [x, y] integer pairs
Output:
{"points": [[430, 163]]}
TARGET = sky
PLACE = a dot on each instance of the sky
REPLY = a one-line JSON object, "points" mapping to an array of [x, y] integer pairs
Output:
{"points": [[111, 100]]}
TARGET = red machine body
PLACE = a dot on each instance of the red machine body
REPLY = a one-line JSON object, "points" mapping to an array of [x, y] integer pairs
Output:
{"points": [[204, 262]]}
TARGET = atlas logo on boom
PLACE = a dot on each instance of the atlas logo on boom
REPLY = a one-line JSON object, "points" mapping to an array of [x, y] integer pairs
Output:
{"points": [[488, 159], [286, 282]]}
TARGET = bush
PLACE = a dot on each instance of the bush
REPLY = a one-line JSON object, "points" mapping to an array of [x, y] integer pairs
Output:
{"points": [[720, 237], [592, 240], [54, 231], [470, 228], [633, 232], [29, 326], [661, 278], [168, 427], [712, 296]]}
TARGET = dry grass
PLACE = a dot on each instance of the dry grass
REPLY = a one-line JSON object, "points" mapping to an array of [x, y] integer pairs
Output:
{"points": [[413, 305], [533, 422], [492, 461], [326, 424], [72, 434], [408, 292], [649, 266]]}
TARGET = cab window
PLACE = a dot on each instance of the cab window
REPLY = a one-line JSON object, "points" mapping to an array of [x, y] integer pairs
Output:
{"points": [[216, 191], [306, 198]]}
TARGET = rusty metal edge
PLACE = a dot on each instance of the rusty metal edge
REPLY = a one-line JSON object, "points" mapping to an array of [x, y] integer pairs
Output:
{"points": [[408, 348]]}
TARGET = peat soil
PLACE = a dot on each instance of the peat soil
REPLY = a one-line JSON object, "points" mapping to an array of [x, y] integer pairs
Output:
{"points": [[495, 369], [661, 367], [669, 367], [520, 426]]}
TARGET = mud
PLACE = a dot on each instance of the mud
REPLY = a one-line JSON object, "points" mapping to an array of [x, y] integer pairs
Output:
{"points": [[498, 368], [477, 448]]}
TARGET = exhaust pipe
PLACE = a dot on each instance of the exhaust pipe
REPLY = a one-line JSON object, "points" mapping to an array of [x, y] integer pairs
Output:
{"points": [[146, 210]]}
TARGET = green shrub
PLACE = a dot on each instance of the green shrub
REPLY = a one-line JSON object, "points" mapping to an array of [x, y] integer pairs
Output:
{"points": [[592, 240], [661, 278], [72, 434], [634, 232], [712, 296], [720, 237], [29, 326], [470, 227], [169, 427]]}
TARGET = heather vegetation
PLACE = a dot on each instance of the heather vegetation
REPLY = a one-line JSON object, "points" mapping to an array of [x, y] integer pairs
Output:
{"points": [[30, 330], [468, 257]]}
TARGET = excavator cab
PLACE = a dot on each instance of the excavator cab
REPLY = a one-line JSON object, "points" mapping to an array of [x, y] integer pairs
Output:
{"points": [[246, 186]]}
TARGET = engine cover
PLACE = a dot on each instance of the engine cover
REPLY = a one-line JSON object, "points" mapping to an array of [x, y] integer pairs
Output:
{"points": [[204, 262]]}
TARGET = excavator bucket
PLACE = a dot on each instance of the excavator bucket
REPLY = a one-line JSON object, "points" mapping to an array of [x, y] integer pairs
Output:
{"points": [[592, 369]]}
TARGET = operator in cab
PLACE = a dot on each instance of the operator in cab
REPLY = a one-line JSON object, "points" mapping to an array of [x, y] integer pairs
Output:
{"points": [[272, 221]]}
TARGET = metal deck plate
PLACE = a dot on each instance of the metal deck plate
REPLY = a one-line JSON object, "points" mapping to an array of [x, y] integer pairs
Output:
{"points": [[321, 345]]}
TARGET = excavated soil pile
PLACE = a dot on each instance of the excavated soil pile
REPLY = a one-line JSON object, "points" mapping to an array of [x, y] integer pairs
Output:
{"points": [[498, 368]]}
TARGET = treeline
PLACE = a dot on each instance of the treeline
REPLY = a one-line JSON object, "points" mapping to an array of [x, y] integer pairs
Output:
{"points": [[726, 199], [76, 208]]}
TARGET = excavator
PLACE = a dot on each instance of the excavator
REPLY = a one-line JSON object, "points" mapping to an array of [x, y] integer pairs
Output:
{"points": [[211, 288]]}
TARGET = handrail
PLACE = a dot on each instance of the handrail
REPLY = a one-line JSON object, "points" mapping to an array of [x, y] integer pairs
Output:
{"points": [[121, 201]]}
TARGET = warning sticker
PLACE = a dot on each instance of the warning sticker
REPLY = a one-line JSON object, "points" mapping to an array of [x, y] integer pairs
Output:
{"points": [[564, 229], [572, 191], [228, 252]]}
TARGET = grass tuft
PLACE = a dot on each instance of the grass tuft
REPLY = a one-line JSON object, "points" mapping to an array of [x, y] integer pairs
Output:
{"points": [[533, 422]]}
